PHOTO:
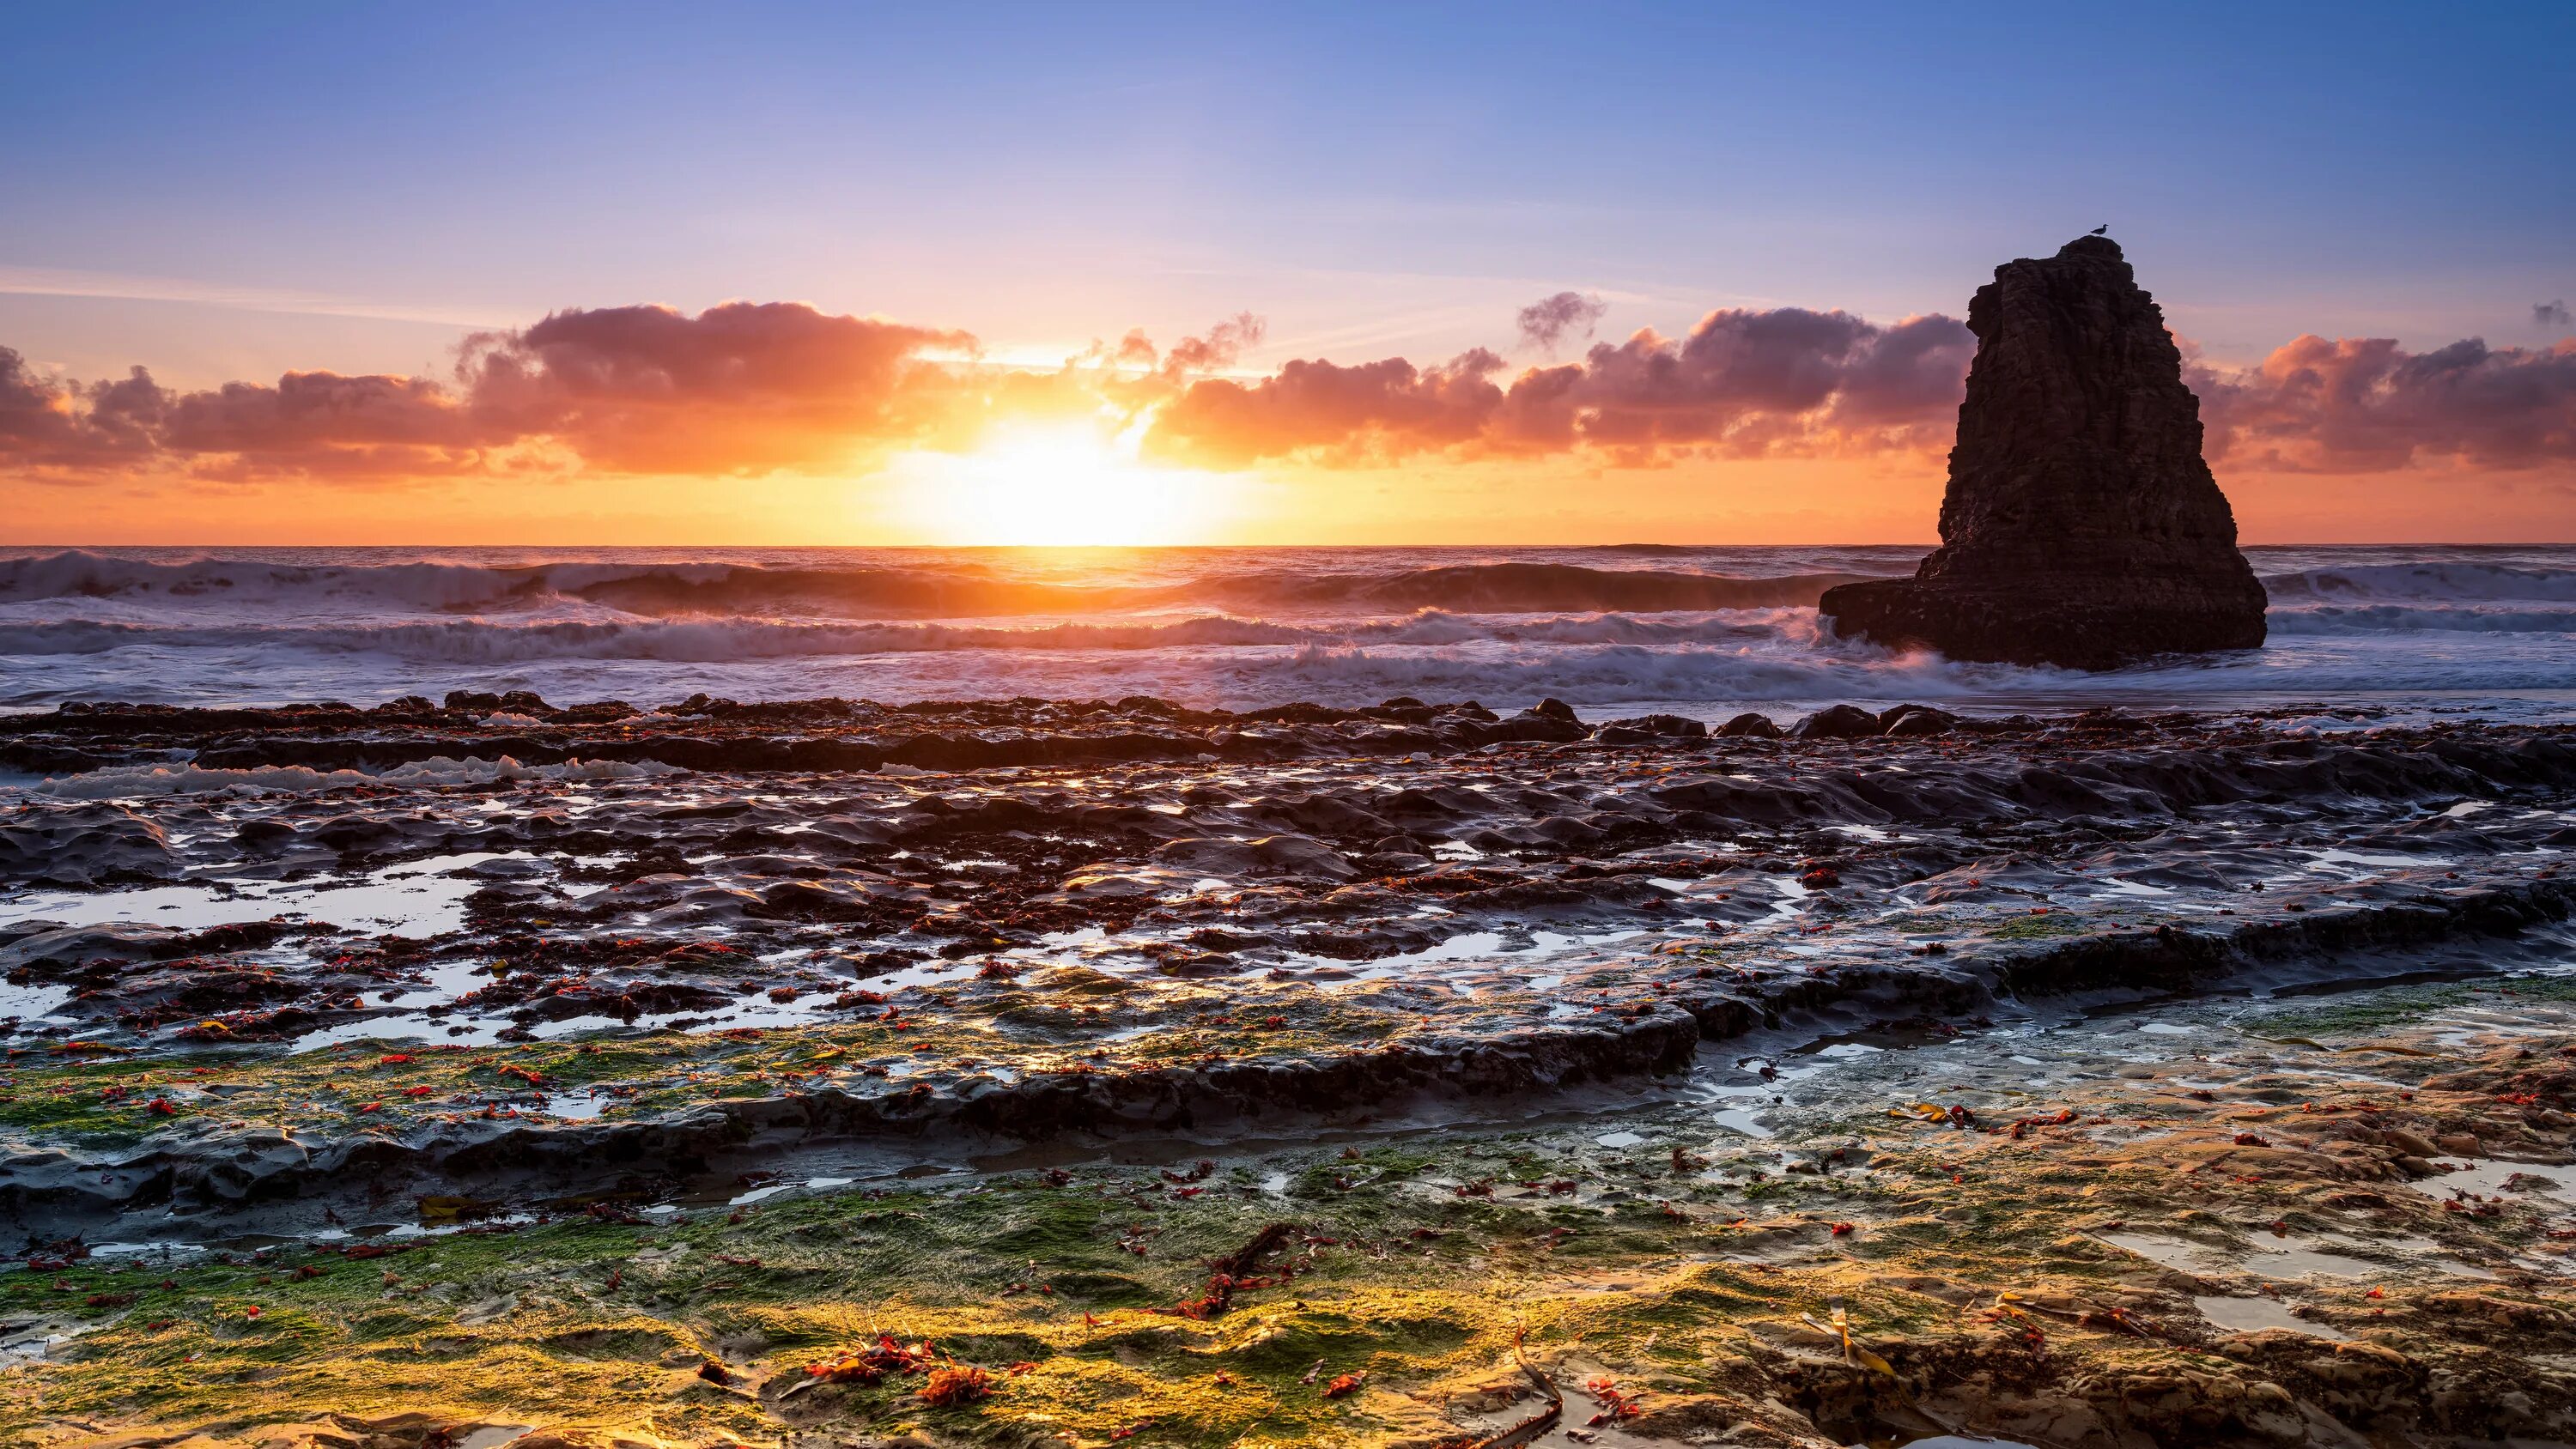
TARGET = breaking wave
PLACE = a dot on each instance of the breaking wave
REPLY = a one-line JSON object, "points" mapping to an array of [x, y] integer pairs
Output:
{"points": [[957, 590], [1674, 625], [2436, 582], [485, 641], [2398, 618], [122, 782]]}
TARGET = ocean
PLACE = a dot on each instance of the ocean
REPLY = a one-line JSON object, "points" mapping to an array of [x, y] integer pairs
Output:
{"points": [[1702, 631]]}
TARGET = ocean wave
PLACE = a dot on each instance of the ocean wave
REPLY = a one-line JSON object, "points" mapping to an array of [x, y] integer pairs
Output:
{"points": [[1495, 588], [77, 573], [1602, 628], [953, 590], [1617, 676], [123, 782], [484, 641], [502, 641], [2401, 618], [1787, 666], [2424, 583], [1612, 675]]}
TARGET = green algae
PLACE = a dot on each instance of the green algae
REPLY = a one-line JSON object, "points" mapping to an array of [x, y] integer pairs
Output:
{"points": [[392, 1084], [1691, 1269], [2044, 926], [2400, 1005]]}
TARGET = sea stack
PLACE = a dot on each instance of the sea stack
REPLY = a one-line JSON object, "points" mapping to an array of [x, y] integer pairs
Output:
{"points": [[2081, 527]]}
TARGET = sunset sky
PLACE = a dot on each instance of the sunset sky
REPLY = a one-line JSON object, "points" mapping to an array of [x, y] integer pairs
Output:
{"points": [[823, 274]]}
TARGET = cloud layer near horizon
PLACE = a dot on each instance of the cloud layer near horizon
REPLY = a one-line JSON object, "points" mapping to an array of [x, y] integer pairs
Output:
{"points": [[754, 388]]}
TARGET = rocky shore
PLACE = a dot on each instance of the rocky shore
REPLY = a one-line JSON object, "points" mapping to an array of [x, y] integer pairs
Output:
{"points": [[293, 973]]}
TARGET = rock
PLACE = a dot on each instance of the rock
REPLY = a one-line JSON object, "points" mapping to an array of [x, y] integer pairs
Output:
{"points": [[2409, 1143], [263, 833], [1842, 722], [1649, 728], [1527, 727], [1916, 719], [1553, 708], [82, 844], [2081, 527], [1295, 855], [1756, 726]]}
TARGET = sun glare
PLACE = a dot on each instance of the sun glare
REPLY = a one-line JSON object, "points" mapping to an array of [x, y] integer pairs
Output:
{"points": [[1058, 484]]}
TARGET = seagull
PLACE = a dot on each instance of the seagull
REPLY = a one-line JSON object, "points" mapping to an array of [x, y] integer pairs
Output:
{"points": [[2101, 230]]}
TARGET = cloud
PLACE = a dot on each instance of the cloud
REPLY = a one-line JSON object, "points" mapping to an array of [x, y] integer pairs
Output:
{"points": [[1781, 382], [2365, 404], [50, 423], [746, 389], [1545, 322], [1222, 347], [740, 388], [324, 424], [1794, 383], [2551, 314], [1372, 411]]}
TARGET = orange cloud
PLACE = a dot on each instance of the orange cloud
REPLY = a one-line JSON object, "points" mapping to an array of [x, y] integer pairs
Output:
{"points": [[1794, 383], [1782, 383], [322, 424], [741, 388], [45, 424], [769, 388], [1376, 410], [2365, 405]]}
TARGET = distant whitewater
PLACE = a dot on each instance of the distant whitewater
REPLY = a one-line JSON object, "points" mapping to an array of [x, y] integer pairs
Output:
{"points": [[1703, 631]]}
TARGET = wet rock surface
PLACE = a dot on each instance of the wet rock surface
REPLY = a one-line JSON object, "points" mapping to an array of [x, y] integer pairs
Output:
{"points": [[2201, 1222], [467, 1069], [1183, 938], [2081, 526]]}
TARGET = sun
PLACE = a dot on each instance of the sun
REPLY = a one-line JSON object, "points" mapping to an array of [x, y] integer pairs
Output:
{"points": [[1056, 484]]}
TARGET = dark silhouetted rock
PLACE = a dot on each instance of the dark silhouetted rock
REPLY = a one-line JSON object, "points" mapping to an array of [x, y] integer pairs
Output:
{"points": [[1841, 722], [1909, 725], [2081, 527], [1916, 719], [1650, 727], [1553, 708], [1758, 726]]}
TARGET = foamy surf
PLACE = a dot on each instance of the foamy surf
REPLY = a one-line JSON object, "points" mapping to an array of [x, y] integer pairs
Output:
{"points": [[1704, 630], [126, 782]]}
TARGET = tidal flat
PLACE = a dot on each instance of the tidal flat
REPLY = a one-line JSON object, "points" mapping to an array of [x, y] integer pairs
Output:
{"points": [[1103, 1073]]}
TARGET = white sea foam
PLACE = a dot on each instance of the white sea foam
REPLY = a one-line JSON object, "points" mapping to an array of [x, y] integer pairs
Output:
{"points": [[2400, 618], [119, 782], [501, 641], [2426, 582]]}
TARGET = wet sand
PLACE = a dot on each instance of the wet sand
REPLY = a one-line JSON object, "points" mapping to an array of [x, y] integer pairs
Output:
{"points": [[280, 984]]}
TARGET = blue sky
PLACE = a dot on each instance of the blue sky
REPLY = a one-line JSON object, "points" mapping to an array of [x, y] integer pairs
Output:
{"points": [[353, 185]]}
